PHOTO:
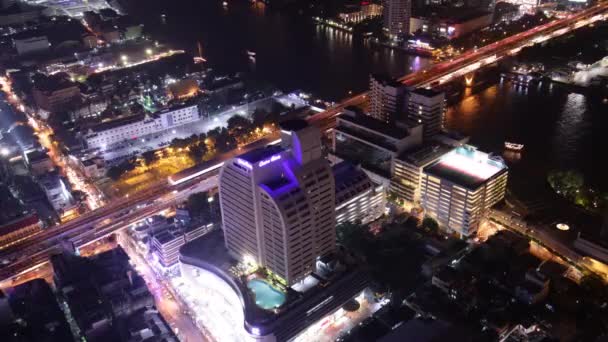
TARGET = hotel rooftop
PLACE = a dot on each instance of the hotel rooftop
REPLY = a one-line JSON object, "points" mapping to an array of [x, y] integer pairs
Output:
{"points": [[466, 166]]}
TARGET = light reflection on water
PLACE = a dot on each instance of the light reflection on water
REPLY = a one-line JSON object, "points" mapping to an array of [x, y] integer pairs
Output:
{"points": [[559, 130]]}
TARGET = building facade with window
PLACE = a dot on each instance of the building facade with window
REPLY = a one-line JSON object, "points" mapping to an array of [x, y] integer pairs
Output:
{"points": [[278, 203]]}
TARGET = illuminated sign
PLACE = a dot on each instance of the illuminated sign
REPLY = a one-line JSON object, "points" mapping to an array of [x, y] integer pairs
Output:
{"points": [[269, 160]]}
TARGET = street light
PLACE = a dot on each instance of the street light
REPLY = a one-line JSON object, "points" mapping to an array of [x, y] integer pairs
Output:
{"points": [[148, 52], [4, 152]]}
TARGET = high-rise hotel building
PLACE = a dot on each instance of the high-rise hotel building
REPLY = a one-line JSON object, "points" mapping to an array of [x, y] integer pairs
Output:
{"points": [[278, 203], [396, 15], [459, 188]]}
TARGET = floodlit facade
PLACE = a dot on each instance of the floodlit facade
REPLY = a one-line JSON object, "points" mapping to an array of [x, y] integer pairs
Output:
{"points": [[427, 107], [363, 12], [407, 171], [396, 15], [278, 204], [459, 188], [112, 132]]}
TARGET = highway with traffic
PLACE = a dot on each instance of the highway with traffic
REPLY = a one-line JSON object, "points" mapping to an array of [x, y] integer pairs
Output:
{"points": [[472, 60], [120, 213]]}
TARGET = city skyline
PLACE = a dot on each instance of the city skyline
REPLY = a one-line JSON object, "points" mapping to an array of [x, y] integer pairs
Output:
{"points": [[436, 175]]}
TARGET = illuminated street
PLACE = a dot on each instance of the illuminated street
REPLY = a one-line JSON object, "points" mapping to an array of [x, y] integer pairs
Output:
{"points": [[76, 179], [169, 306]]}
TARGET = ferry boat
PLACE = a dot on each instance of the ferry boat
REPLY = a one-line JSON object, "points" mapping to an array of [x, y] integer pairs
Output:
{"points": [[513, 146], [199, 59]]}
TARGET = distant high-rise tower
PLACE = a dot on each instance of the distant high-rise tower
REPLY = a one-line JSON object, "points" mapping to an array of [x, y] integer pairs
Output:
{"points": [[278, 203], [427, 107], [397, 17], [386, 98]]}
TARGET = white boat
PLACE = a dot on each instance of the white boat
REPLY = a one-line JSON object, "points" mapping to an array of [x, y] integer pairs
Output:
{"points": [[513, 146], [251, 54]]}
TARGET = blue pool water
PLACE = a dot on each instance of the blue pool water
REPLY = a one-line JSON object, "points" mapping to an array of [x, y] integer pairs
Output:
{"points": [[266, 296]]}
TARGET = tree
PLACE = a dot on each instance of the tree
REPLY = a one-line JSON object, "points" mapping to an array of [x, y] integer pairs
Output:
{"points": [[430, 224], [115, 172], [149, 157], [239, 125], [259, 117], [202, 206], [179, 143], [223, 140], [355, 237], [566, 183], [594, 286], [197, 152]]}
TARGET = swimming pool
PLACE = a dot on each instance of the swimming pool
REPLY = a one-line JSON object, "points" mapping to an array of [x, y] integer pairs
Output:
{"points": [[266, 296]]}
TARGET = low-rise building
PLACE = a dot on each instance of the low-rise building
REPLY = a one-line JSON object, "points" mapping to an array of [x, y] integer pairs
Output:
{"points": [[38, 162], [34, 314], [88, 109], [373, 143], [166, 244], [358, 199], [93, 167], [449, 23], [112, 132], [27, 43], [58, 192], [18, 14], [147, 325], [54, 92], [107, 279]]}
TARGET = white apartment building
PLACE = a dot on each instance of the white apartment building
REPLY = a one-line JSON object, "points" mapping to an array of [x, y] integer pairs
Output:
{"points": [[396, 15], [133, 127], [407, 171], [428, 107], [459, 188], [386, 98], [278, 204], [166, 244]]}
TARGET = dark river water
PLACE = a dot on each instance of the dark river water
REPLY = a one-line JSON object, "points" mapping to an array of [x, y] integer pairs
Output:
{"points": [[559, 129], [292, 52]]}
